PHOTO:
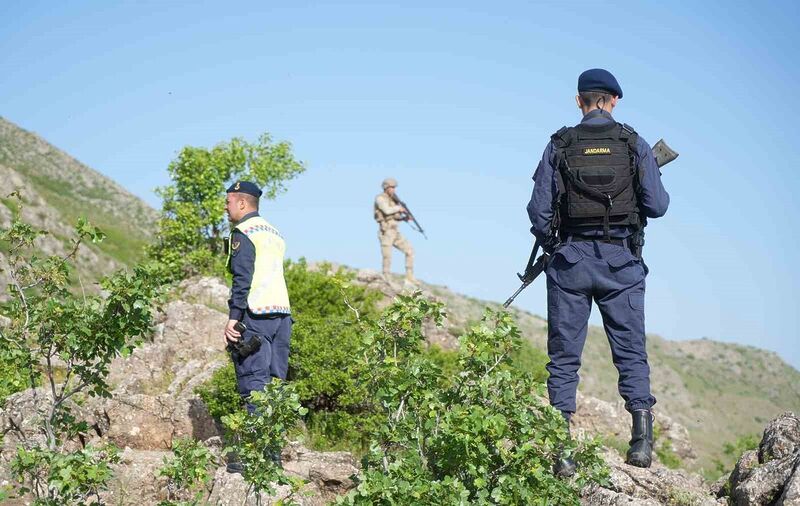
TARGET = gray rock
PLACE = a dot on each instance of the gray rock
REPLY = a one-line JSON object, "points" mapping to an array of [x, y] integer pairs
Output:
{"points": [[747, 462], [211, 292], [136, 481], [656, 485], [781, 438], [231, 490], [330, 471], [791, 492], [763, 485], [770, 474]]}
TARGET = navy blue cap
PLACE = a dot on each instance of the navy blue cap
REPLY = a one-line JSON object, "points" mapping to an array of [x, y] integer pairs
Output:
{"points": [[245, 187], [599, 80]]}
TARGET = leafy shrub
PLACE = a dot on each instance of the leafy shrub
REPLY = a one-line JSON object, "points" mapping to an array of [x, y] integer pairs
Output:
{"points": [[15, 375], [486, 438], [187, 472], [530, 360], [57, 478], [259, 437], [219, 392], [69, 342], [323, 366]]}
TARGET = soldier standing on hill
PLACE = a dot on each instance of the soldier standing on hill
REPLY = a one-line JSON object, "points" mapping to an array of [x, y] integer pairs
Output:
{"points": [[388, 214], [259, 323], [596, 184]]}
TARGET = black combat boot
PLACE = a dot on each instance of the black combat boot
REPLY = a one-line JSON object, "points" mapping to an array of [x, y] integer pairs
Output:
{"points": [[564, 466], [640, 452]]}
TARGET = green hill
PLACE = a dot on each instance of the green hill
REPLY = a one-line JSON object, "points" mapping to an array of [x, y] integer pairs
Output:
{"points": [[57, 189]]}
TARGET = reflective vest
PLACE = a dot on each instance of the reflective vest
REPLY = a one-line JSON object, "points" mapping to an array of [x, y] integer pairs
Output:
{"points": [[268, 293], [597, 177]]}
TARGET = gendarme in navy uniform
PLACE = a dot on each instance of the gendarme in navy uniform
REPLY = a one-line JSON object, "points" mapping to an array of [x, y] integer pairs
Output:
{"points": [[259, 298], [595, 187]]}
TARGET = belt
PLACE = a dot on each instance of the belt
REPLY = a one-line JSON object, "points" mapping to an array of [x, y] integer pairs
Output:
{"points": [[581, 238]]}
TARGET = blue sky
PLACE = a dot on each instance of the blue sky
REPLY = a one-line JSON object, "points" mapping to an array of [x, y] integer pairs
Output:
{"points": [[457, 101]]}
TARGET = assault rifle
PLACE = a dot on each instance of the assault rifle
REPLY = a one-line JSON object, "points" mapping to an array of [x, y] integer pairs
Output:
{"points": [[535, 266], [409, 216]]}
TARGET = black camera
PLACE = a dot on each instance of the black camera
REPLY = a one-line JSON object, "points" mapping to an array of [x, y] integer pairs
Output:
{"points": [[244, 349]]}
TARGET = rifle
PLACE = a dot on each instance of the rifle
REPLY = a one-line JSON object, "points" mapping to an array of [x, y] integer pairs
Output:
{"points": [[416, 226], [535, 266]]}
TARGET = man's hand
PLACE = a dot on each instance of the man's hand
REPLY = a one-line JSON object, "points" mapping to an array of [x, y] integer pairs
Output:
{"points": [[231, 335]]}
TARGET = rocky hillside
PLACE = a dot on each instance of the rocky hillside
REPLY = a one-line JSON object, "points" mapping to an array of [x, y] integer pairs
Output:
{"points": [[718, 391], [154, 403], [57, 189]]}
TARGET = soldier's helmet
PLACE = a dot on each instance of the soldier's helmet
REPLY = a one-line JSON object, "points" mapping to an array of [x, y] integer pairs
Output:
{"points": [[389, 182]]}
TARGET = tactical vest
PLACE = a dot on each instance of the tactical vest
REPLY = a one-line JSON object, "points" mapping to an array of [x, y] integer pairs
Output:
{"points": [[268, 293], [597, 178]]}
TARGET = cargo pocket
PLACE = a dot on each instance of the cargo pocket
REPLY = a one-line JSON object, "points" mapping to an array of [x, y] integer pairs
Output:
{"points": [[625, 268], [561, 264], [636, 300]]}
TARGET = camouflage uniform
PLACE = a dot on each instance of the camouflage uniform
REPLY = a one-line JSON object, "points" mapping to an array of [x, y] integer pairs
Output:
{"points": [[388, 214]]}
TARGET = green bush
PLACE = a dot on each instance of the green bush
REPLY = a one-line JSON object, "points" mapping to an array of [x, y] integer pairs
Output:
{"points": [[485, 438], [323, 366], [15, 375], [187, 472], [259, 437], [219, 392], [530, 360]]}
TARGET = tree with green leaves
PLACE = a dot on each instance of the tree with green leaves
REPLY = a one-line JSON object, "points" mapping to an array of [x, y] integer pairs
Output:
{"points": [[192, 223], [64, 344]]}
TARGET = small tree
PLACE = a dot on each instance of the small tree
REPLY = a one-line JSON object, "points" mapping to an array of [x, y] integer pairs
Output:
{"points": [[259, 437], [187, 472], [193, 214], [66, 342]]}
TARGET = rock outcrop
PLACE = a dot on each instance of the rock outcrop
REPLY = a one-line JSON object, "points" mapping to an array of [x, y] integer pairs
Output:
{"points": [[657, 485], [771, 474]]}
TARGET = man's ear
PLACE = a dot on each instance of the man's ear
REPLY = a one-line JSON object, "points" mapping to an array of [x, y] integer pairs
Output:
{"points": [[579, 102], [614, 101]]}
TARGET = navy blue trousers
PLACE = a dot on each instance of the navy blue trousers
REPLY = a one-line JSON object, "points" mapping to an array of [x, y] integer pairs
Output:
{"points": [[614, 278], [270, 361]]}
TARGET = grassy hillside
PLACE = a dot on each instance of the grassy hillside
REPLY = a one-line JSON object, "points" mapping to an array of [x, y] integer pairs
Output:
{"points": [[57, 190]]}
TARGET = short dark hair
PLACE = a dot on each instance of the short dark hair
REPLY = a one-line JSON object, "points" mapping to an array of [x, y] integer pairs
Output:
{"points": [[595, 98], [251, 200]]}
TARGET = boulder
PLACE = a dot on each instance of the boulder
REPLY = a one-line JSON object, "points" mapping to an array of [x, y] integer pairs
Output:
{"points": [[770, 474], [330, 471], [631, 485]]}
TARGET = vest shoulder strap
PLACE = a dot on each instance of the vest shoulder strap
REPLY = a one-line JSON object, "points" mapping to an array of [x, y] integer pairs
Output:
{"points": [[563, 137]]}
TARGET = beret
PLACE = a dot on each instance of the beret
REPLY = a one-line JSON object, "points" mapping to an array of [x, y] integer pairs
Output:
{"points": [[244, 187], [599, 80]]}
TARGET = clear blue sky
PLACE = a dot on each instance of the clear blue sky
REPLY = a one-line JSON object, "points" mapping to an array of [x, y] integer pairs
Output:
{"points": [[457, 101]]}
